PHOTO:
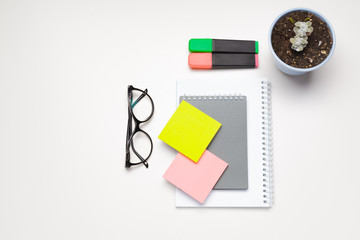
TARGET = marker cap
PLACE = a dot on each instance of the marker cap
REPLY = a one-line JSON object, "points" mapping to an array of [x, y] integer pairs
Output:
{"points": [[201, 45], [200, 60]]}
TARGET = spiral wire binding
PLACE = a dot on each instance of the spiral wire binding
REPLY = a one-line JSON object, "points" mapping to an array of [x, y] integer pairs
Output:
{"points": [[234, 96], [267, 142]]}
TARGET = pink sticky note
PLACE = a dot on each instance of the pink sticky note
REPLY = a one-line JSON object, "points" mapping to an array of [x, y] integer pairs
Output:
{"points": [[196, 179]]}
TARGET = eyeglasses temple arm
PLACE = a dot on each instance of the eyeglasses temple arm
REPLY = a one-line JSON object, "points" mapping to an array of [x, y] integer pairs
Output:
{"points": [[138, 99]]}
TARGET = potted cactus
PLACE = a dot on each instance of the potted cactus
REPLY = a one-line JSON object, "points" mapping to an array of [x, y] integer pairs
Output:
{"points": [[301, 40]]}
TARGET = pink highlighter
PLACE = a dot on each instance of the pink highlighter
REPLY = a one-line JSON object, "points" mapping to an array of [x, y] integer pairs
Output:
{"points": [[223, 60]]}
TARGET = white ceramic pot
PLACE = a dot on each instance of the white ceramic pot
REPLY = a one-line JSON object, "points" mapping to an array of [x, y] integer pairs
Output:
{"points": [[298, 71]]}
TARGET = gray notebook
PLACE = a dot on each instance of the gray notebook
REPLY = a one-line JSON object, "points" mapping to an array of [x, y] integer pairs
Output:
{"points": [[230, 142]]}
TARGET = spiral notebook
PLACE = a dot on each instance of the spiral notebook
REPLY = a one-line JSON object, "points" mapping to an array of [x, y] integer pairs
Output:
{"points": [[230, 142], [259, 141]]}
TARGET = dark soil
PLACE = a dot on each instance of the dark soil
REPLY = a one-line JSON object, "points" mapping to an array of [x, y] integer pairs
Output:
{"points": [[318, 48]]}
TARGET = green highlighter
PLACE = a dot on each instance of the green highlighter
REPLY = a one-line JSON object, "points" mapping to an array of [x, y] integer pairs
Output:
{"points": [[223, 46]]}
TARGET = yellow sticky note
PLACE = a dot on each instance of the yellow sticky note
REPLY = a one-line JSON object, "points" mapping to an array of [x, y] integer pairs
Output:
{"points": [[189, 131]]}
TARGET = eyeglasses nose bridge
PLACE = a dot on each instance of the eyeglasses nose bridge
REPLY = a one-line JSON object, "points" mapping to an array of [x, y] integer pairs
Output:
{"points": [[137, 127]]}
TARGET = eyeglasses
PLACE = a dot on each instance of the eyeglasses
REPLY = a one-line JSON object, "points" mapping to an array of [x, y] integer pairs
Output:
{"points": [[140, 111]]}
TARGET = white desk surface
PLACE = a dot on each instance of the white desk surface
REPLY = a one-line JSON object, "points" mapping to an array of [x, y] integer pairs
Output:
{"points": [[64, 71]]}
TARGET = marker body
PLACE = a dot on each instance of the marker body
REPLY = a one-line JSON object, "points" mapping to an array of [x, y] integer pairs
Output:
{"points": [[222, 60], [223, 46]]}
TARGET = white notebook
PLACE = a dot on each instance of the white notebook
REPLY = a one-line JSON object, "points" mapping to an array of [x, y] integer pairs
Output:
{"points": [[260, 187]]}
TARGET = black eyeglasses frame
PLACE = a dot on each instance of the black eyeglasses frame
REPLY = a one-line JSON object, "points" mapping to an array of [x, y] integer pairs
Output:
{"points": [[131, 133]]}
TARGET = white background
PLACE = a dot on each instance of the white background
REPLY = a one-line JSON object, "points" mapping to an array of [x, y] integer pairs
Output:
{"points": [[64, 70]]}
